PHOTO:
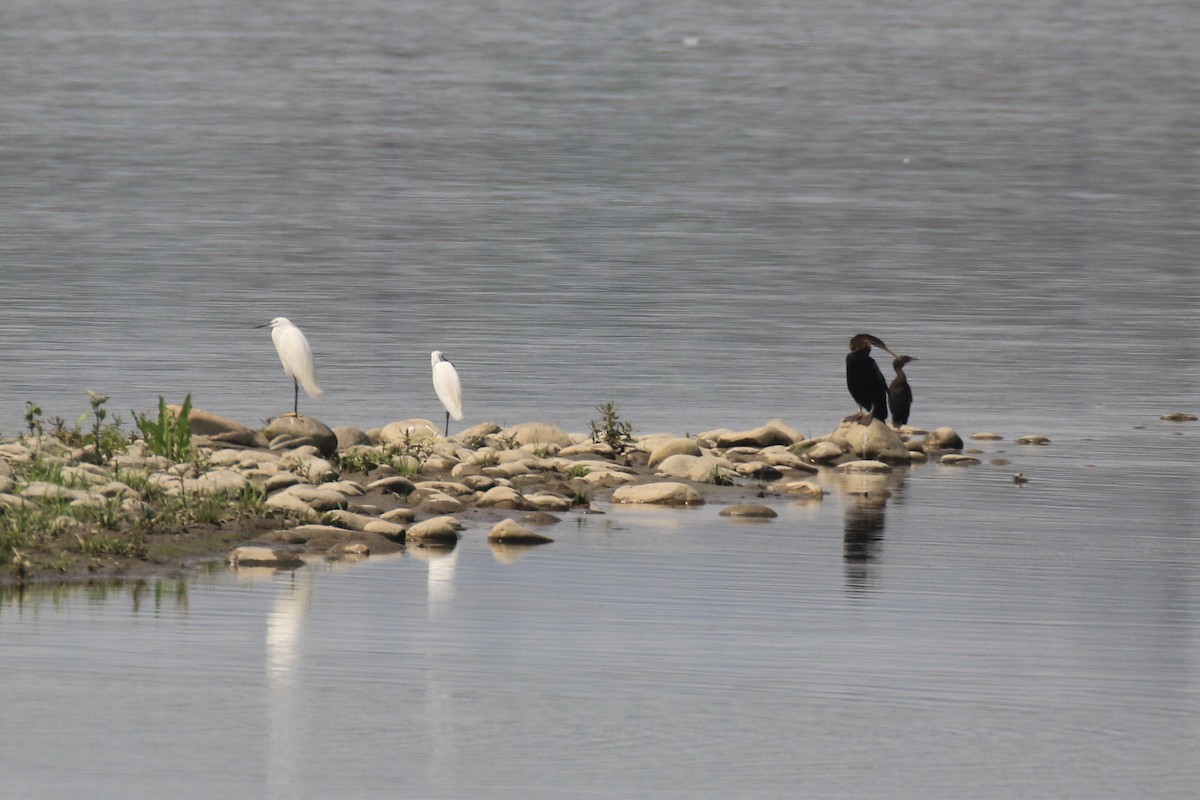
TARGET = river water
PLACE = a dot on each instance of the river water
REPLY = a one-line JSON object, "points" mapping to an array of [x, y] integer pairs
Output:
{"points": [[687, 209]]}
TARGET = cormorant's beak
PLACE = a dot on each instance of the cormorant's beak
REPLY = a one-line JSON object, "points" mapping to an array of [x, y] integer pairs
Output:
{"points": [[875, 340]]}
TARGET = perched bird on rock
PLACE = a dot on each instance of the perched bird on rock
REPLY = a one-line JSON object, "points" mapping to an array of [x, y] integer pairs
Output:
{"points": [[863, 378], [899, 392], [447, 386], [296, 357]]}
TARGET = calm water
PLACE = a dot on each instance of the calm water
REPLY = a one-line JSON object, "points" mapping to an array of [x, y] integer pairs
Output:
{"points": [[689, 209]]}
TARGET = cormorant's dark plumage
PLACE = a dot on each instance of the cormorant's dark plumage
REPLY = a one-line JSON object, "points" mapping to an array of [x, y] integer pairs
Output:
{"points": [[900, 393], [863, 378]]}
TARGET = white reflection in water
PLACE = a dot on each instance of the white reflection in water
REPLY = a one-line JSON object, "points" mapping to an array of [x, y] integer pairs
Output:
{"points": [[285, 629], [441, 562], [285, 624]]}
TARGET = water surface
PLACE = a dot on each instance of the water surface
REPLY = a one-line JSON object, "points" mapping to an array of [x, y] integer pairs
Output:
{"points": [[687, 209]]}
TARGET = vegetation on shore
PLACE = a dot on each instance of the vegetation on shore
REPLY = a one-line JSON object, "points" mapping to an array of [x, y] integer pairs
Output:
{"points": [[93, 491]]}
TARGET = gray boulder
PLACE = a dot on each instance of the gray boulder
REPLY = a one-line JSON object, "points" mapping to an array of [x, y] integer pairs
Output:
{"points": [[303, 428]]}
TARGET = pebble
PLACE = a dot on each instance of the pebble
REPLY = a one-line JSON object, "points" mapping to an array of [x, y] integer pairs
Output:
{"points": [[443, 529]]}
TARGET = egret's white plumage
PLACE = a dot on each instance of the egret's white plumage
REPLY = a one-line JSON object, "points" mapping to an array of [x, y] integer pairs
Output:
{"points": [[447, 386], [296, 357]]}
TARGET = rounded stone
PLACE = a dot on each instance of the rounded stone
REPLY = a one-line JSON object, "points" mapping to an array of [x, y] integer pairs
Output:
{"points": [[942, 439], [256, 556], [875, 440], [673, 447], [221, 480], [408, 432], [986, 436], [400, 516], [322, 437], [220, 429], [958, 460], [547, 501], [292, 505], [866, 465], [1178, 416], [540, 518], [435, 530], [508, 531], [315, 497], [807, 489], [396, 484], [702, 469], [502, 497], [822, 452], [774, 432], [749, 511], [349, 436], [538, 434], [1034, 438], [664, 493]]}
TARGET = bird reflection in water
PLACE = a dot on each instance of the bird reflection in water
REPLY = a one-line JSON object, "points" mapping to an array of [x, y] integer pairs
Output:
{"points": [[441, 559], [864, 499]]}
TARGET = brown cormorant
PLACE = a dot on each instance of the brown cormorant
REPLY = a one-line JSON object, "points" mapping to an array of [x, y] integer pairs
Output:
{"points": [[899, 393], [863, 378]]}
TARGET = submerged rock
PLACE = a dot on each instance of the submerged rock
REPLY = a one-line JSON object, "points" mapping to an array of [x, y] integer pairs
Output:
{"points": [[1034, 438], [749, 511], [257, 556], [865, 465]]}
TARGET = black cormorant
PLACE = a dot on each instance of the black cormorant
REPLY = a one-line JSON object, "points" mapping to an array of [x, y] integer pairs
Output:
{"points": [[863, 378], [899, 393]]}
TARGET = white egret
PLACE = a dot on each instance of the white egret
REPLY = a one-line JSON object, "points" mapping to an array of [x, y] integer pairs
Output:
{"points": [[296, 357], [445, 383]]}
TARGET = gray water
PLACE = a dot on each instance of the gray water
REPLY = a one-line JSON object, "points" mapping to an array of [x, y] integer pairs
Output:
{"points": [[687, 209]]}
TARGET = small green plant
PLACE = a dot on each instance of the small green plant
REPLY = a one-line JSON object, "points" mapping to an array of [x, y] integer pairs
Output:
{"points": [[579, 499], [107, 439], [611, 429], [107, 514], [578, 471], [169, 435], [719, 477], [410, 455], [505, 442], [33, 419], [360, 460], [130, 545]]}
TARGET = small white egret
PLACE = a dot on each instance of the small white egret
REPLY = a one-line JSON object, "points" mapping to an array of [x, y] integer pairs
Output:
{"points": [[445, 383], [296, 357]]}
